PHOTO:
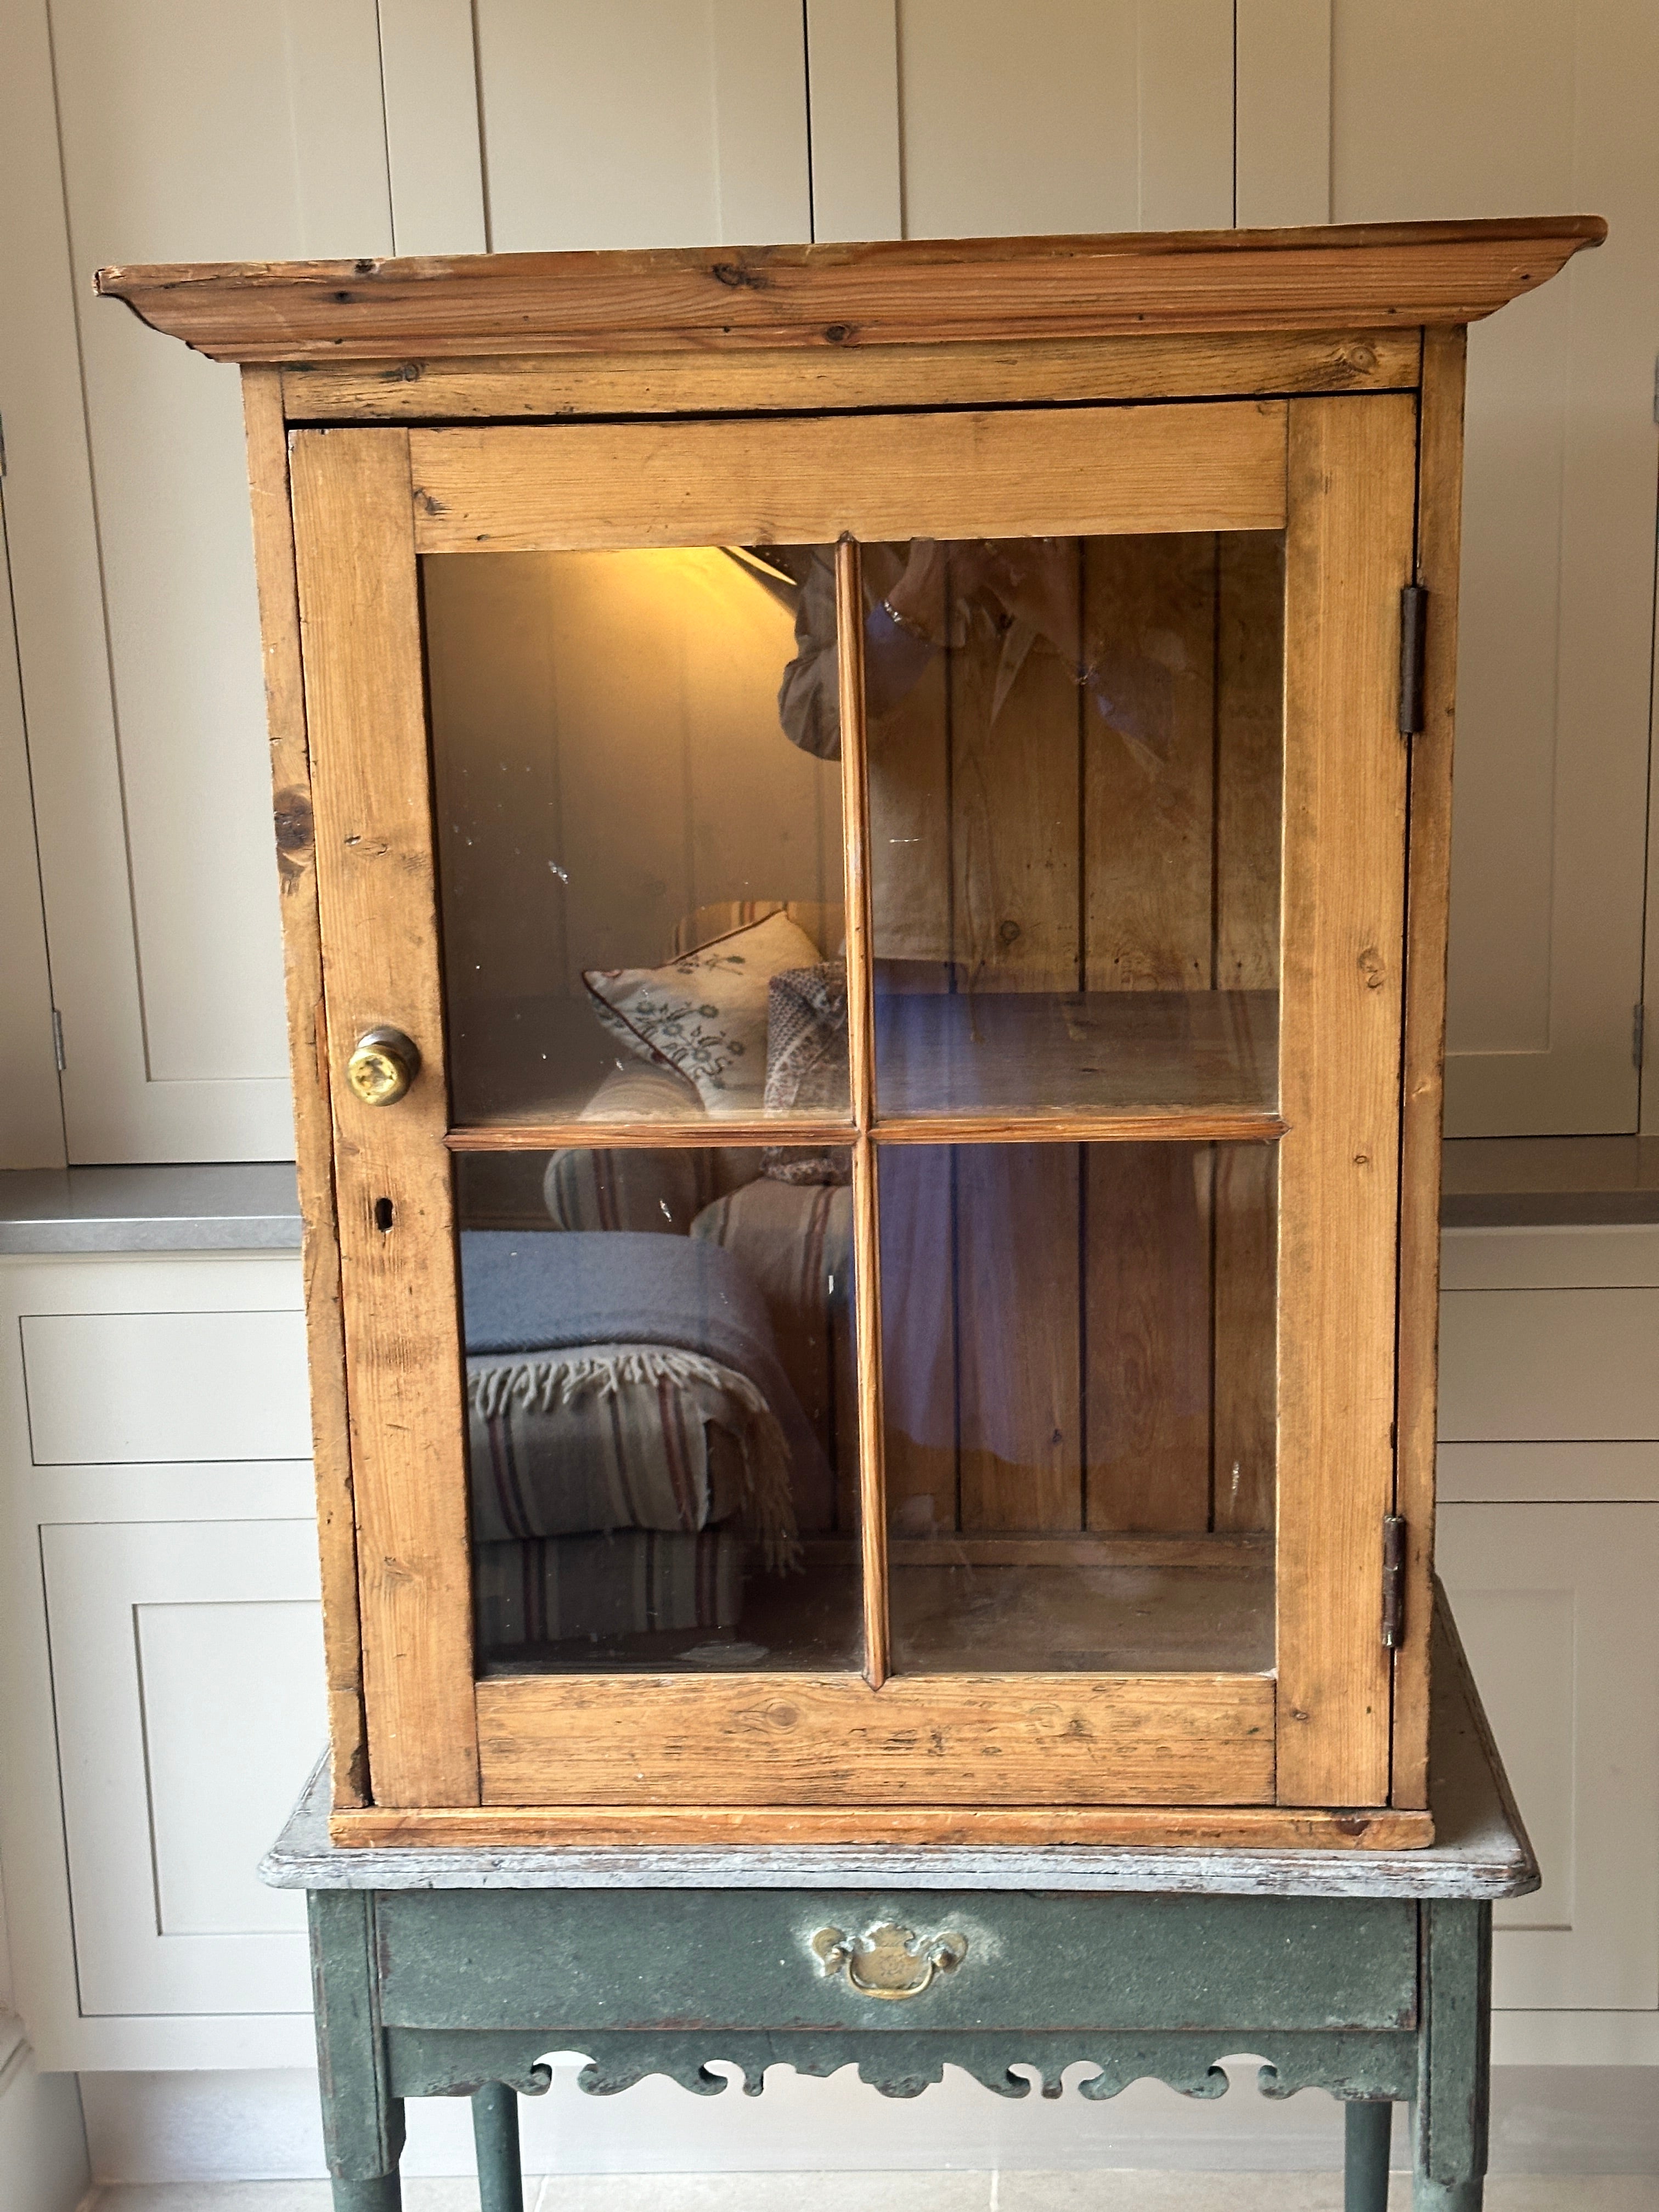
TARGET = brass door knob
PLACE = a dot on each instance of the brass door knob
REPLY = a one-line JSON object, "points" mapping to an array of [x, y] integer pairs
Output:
{"points": [[383, 1064]]}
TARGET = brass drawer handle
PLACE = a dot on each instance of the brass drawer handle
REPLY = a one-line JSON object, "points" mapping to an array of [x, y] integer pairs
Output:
{"points": [[887, 1961], [384, 1062]]}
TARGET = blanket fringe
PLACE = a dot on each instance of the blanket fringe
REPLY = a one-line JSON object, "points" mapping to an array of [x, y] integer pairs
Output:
{"points": [[542, 1386]]}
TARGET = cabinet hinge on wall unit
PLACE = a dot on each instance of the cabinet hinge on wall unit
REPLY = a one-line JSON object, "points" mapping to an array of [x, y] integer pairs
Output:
{"points": [[57, 1039], [1414, 635], [1394, 1581]]}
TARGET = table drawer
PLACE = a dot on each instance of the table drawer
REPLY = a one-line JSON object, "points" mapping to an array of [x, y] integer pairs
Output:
{"points": [[798, 1958]]}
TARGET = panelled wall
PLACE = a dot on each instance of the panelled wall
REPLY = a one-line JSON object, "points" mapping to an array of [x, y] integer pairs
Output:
{"points": [[225, 129]]}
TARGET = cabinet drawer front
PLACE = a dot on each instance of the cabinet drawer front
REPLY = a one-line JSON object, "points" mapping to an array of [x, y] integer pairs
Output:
{"points": [[571, 1959], [140, 1387]]}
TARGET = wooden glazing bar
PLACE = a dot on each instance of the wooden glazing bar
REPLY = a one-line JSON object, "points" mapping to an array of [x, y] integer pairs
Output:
{"points": [[1172, 1128], [1175, 1128], [860, 1052], [674, 1136], [1222, 365], [1440, 478], [302, 968]]}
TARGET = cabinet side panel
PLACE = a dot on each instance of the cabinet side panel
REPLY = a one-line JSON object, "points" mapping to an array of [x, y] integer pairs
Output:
{"points": [[1440, 466], [302, 964], [377, 905], [1348, 554]]}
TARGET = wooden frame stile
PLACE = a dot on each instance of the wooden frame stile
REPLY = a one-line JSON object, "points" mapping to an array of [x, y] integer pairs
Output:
{"points": [[1439, 511], [377, 901], [1348, 554], [302, 968]]}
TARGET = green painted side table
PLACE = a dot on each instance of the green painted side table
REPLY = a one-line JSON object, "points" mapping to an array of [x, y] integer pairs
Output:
{"points": [[446, 1972]]}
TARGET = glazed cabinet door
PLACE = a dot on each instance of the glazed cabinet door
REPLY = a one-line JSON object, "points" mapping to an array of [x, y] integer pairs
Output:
{"points": [[863, 976]]}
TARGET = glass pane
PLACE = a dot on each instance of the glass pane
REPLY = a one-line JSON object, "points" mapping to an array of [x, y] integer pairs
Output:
{"points": [[1079, 1385], [1076, 755], [640, 875], [662, 1429]]}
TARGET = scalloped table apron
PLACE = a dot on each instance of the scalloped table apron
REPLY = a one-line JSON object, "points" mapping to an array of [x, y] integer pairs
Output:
{"points": [[445, 1972]]}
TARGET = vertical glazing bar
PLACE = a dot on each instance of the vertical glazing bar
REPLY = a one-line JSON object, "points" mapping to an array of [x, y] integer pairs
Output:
{"points": [[860, 1039]]}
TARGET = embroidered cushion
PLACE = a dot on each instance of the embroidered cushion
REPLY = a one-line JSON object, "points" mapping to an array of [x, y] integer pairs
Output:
{"points": [[705, 1015]]}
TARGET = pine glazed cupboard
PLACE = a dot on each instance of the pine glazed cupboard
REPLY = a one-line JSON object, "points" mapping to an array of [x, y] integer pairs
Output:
{"points": [[863, 837]]}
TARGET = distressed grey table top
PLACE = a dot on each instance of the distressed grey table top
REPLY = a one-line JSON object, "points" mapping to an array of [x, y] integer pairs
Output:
{"points": [[246, 1206], [1481, 1849]]}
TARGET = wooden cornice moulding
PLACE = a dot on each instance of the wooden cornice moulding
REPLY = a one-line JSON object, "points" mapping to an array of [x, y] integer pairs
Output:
{"points": [[896, 293]]}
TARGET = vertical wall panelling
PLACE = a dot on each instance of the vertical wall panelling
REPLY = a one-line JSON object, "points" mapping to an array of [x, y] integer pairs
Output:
{"points": [[1494, 108], [1184, 92], [1010, 129], [30, 1107], [643, 123], [53, 551], [1082, 115], [1282, 113], [204, 131], [433, 153], [760, 121], [852, 70]]}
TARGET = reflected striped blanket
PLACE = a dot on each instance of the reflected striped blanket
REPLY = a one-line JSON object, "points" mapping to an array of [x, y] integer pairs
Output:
{"points": [[545, 1591], [623, 1435]]}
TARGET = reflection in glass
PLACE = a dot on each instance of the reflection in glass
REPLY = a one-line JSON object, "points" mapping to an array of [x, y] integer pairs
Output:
{"points": [[641, 877], [1075, 752], [661, 1409], [1078, 1366]]}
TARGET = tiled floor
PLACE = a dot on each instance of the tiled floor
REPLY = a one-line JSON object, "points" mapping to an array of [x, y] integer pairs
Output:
{"points": [[899, 2192]]}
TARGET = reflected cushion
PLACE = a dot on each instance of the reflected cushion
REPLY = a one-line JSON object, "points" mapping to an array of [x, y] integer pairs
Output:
{"points": [[705, 1015]]}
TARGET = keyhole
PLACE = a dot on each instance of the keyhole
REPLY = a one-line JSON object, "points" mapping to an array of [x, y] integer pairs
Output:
{"points": [[383, 1214]]}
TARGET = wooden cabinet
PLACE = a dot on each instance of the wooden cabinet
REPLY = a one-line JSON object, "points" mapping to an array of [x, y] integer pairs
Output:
{"points": [[865, 837]]}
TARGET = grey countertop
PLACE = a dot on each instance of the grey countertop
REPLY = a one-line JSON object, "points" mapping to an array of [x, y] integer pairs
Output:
{"points": [[253, 1205], [247, 1205]]}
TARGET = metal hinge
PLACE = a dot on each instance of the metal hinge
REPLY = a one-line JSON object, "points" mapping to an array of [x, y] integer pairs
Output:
{"points": [[1394, 1581], [57, 1039], [1414, 633], [1639, 1036]]}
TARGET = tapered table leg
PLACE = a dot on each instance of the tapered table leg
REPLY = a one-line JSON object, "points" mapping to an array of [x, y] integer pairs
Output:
{"points": [[1448, 2163], [496, 2133], [382, 2194], [1367, 2130], [362, 2120]]}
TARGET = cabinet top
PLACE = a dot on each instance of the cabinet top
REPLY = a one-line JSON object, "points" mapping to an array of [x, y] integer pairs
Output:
{"points": [[909, 291]]}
